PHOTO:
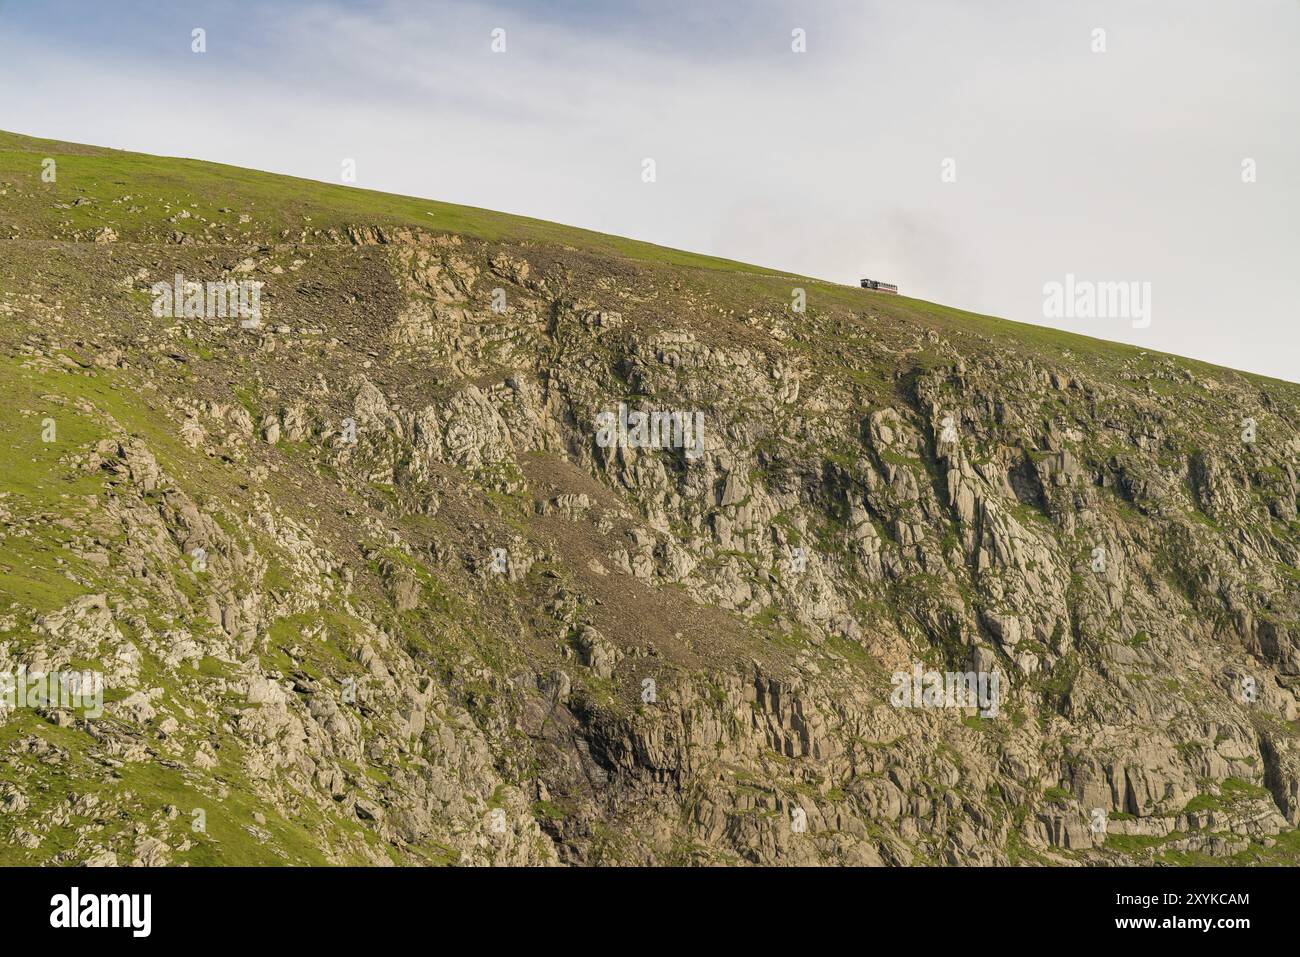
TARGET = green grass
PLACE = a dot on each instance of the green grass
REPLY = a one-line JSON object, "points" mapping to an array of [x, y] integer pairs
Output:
{"points": [[161, 186], [1230, 791], [275, 202]]}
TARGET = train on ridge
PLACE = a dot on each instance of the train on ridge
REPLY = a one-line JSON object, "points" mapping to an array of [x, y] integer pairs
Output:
{"points": [[879, 286]]}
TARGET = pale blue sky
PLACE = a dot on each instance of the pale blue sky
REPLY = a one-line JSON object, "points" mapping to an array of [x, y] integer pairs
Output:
{"points": [[1122, 165]]}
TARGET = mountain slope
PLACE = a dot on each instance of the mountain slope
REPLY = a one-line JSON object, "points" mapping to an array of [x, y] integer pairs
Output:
{"points": [[363, 581]]}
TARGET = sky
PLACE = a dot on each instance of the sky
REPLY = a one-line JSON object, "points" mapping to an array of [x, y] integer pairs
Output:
{"points": [[971, 153]]}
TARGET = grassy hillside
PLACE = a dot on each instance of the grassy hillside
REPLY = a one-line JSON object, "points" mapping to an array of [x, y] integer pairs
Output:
{"points": [[282, 208], [431, 600]]}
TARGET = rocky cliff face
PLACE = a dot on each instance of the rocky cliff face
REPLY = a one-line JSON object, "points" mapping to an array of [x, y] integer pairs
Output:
{"points": [[394, 572]]}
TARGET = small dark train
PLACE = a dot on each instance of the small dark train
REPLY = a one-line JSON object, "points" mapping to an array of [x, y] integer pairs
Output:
{"points": [[879, 286]]}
